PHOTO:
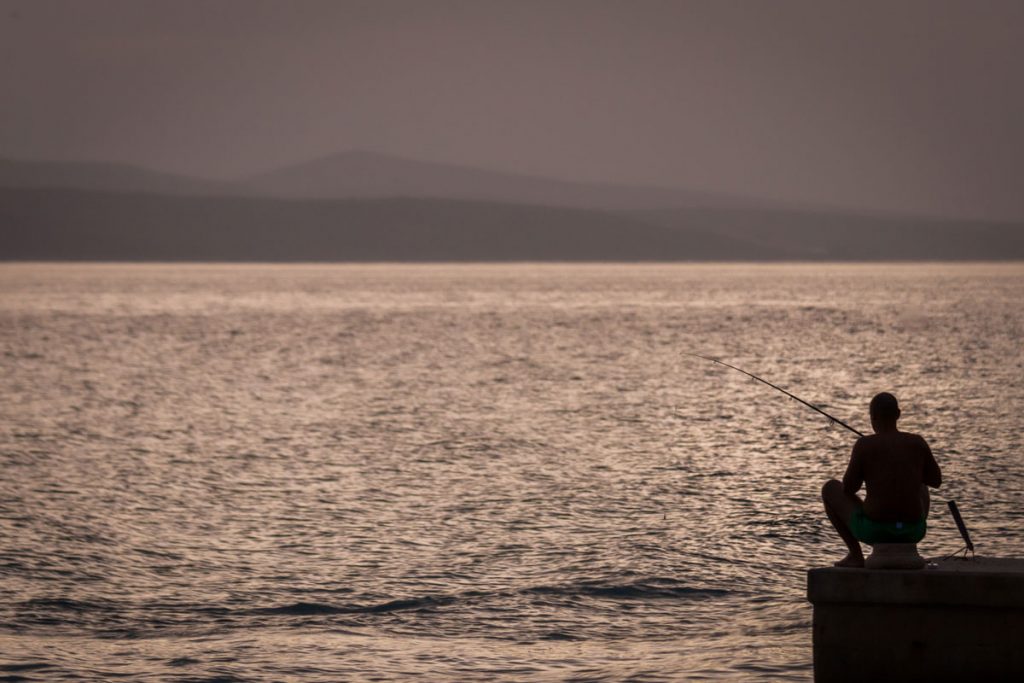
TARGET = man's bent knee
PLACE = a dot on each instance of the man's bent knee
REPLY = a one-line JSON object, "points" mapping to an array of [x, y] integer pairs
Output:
{"points": [[831, 489]]}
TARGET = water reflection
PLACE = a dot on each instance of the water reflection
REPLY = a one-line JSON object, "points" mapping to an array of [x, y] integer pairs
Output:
{"points": [[470, 471]]}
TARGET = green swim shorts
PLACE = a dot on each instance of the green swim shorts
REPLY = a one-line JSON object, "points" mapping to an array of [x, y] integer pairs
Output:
{"points": [[867, 530]]}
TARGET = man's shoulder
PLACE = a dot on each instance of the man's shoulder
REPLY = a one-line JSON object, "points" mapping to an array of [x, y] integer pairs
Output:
{"points": [[870, 442], [914, 443], [916, 438], [865, 444]]}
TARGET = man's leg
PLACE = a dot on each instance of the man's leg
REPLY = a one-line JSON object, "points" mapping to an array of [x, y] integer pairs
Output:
{"points": [[840, 507]]}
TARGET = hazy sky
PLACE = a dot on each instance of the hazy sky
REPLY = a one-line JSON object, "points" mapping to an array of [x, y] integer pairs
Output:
{"points": [[889, 105]]}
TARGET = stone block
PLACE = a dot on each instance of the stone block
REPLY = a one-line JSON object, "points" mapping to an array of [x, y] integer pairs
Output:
{"points": [[955, 620]]}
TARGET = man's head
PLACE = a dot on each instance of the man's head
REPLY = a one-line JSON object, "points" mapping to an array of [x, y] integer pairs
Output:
{"points": [[884, 410]]}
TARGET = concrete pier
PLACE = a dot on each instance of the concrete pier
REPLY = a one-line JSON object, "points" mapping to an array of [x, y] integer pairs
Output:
{"points": [[955, 620]]}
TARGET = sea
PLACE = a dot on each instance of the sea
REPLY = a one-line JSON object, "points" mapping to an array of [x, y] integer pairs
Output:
{"points": [[469, 472]]}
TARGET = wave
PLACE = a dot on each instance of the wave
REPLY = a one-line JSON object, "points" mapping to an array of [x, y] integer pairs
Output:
{"points": [[63, 604], [649, 589], [655, 588], [116, 617], [27, 666], [315, 608], [11, 673]]}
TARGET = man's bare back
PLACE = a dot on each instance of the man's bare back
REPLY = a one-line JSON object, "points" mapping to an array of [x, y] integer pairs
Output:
{"points": [[892, 465], [896, 467]]}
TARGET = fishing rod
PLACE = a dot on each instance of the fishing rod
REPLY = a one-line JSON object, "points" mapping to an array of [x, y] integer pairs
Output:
{"points": [[952, 504], [815, 408]]}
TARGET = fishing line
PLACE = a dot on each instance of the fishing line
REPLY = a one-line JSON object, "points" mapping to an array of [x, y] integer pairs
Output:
{"points": [[832, 419]]}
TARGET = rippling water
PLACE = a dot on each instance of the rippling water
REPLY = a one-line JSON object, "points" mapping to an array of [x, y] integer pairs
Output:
{"points": [[467, 472]]}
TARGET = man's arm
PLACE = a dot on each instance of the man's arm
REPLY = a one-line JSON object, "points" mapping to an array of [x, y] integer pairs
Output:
{"points": [[932, 474], [854, 476]]}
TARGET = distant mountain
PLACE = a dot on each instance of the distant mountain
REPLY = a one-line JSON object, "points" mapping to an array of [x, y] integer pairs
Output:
{"points": [[57, 224], [105, 177], [77, 225], [846, 236], [363, 175]]}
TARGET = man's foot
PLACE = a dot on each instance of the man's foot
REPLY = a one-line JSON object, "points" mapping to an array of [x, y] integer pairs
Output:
{"points": [[850, 560]]}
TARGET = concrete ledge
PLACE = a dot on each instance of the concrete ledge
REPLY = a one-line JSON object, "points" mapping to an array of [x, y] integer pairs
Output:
{"points": [[956, 620], [979, 582]]}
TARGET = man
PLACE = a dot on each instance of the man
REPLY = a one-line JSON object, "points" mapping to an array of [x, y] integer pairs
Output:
{"points": [[897, 468]]}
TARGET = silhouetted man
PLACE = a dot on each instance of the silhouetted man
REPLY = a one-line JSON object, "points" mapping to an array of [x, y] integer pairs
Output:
{"points": [[896, 468]]}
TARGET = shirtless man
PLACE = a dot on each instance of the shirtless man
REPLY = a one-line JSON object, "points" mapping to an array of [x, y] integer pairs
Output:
{"points": [[897, 468]]}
